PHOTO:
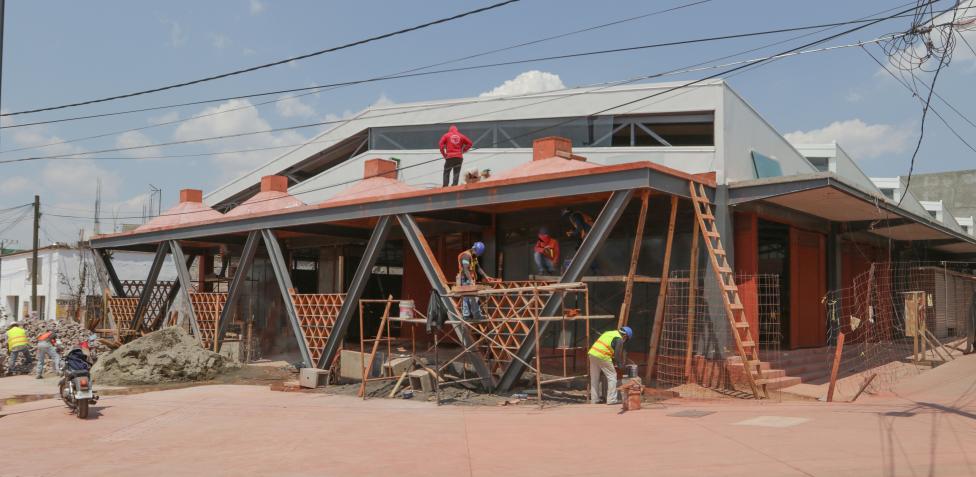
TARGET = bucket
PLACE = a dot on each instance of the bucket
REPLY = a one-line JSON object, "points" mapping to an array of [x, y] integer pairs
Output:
{"points": [[631, 370], [406, 308]]}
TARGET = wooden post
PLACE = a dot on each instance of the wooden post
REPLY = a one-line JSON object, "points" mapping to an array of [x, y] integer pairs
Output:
{"points": [[659, 309], [692, 301], [634, 256], [864, 386], [833, 371], [538, 354], [376, 342]]}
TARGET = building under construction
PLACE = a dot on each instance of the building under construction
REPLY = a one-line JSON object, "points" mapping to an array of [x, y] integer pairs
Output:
{"points": [[696, 201]]}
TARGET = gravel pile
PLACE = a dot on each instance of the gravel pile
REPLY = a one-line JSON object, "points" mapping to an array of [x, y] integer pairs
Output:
{"points": [[70, 334]]}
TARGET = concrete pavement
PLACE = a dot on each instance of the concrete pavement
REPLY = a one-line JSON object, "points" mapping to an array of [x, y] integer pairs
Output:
{"points": [[927, 428]]}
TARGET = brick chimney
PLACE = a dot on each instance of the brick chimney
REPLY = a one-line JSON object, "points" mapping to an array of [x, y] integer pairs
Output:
{"points": [[380, 168], [553, 146], [191, 195], [274, 184]]}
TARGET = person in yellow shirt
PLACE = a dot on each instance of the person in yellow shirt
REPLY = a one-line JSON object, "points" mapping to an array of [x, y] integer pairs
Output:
{"points": [[17, 346], [606, 350]]}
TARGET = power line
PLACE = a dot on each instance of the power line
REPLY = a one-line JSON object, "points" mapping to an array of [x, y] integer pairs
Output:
{"points": [[412, 73], [317, 88], [566, 56], [269, 65]]}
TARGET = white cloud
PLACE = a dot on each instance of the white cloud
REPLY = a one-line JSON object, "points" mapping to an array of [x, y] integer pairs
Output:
{"points": [[248, 51], [15, 185], [246, 119], [137, 139], [534, 81], [177, 36], [853, 97], [383, 101], [165, 118], [288, 106], [76, 178], [220, 41], [863, 141], [256, 7]]}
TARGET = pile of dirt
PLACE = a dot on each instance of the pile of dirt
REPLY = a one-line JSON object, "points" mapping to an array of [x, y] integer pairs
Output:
{"points": [[164, 356]]}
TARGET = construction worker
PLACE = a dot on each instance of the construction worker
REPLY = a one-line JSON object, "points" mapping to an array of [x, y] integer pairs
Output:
{"points": [[580, 224], [546, 253], [468, 273], [453, 145], [606, 350], [47, 348], [17, 345]]}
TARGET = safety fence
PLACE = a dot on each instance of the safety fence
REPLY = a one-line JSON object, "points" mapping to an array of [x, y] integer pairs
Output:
{"points": [[896, 320]]}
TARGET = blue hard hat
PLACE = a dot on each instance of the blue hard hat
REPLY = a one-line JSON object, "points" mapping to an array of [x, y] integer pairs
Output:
{"points": [[479, 248], [627, 331]]}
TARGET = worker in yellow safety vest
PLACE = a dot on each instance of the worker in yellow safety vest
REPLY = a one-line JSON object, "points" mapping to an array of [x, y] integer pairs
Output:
{"points": [[17, 345], [609, 347]]}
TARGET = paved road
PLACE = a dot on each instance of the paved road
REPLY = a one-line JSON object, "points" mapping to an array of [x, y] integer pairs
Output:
{"points": [[928, 428]]}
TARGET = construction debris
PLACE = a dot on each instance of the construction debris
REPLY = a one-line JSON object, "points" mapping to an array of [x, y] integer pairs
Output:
{"points": [[167, 355], [69, 333]]}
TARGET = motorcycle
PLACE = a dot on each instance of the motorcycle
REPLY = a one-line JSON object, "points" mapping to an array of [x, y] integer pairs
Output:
{"points": [[75, 387]]}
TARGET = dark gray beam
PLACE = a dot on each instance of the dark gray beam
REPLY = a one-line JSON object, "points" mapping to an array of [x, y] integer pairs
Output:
{"points": [[106, 272], [183, 282], [330, 231], [350, 304], [935, 243], [435, 275], [237, 284], [581, 261], [468, 217], [280, 267], [478, 195], [147, 288]]}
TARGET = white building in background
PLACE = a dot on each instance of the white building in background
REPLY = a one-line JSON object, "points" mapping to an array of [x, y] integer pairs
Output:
{"points": [[60, 270]]}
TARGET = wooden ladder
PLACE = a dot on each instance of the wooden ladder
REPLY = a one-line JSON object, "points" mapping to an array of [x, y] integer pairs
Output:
{"points": [[745, 344]]}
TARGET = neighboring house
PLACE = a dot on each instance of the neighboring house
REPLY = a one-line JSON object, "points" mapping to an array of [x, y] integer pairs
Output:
{"points": [[65, 272]]}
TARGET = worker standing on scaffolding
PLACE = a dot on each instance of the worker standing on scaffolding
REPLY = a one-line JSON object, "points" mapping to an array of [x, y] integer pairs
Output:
{"points": [[606, 350], [468, 273]]}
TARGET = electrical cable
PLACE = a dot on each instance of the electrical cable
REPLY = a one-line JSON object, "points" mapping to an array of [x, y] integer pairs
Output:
{"points": [[269, 65]]}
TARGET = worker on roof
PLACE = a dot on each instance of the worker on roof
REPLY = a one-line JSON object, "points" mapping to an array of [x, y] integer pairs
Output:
{"points": [[47, 348], [453, 145], [468, 273], [546, 253], [606, 351], [17, 346]]}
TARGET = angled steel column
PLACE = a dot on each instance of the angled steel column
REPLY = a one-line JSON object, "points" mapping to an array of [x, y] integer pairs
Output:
{"points": [[285, 286], [234, 292], [581, 261], [350, 304], [147, 288], [183, 283], [437, 280], [106, 272]]}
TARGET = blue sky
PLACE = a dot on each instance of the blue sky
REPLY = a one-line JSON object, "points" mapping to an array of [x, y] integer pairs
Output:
{"points": [[62, 51]]}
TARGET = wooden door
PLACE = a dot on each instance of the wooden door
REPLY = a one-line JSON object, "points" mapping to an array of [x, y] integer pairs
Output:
{"points": [[808, 285]]}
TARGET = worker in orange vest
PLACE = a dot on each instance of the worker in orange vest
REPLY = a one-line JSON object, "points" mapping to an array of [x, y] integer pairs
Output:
{"points": [[47, 348]]}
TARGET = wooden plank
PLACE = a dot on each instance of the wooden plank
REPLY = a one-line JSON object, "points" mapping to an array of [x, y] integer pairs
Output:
{"points": [[692, 301], [372, 355], [864, 386], [661, 295], [836, 367], [634, 256]]}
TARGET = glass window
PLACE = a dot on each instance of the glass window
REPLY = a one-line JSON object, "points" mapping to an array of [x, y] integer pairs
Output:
{"points": [[821, 163], [765, 166]]}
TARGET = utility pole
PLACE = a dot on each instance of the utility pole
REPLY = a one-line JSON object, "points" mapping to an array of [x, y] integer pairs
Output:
{"points": [[35, 268]]}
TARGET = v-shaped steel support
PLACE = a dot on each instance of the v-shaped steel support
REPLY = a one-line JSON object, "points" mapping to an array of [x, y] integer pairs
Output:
{"points": [[581, 261], [183, 284], [147, 288]]}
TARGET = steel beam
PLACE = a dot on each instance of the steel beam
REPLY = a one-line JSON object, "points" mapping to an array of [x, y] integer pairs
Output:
{"points": [[183, 283], [350, 304], [147, 289], [581, 261], [240, 276], [107, 275], [438, 282], [280, 267], [476, 195]]}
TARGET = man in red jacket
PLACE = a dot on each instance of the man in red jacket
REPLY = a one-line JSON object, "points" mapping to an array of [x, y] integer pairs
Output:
{"points": [[453, 145]]}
